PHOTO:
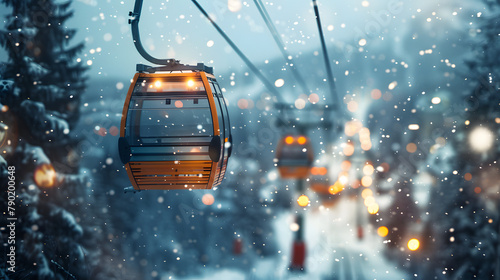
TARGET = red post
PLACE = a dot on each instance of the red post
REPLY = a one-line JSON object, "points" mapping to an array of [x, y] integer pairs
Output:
{"points": [[237, 246], [298, 255]]}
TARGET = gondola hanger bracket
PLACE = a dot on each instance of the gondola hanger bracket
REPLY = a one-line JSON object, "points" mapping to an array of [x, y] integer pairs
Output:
{"points": [[174, 65]]}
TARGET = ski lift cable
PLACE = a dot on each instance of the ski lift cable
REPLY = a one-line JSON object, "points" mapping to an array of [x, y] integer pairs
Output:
{"points": [[249, 64], [331, 81], [272, 29]]}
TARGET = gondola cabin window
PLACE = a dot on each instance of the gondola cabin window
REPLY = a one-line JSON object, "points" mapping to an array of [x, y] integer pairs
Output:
{"points": [[159, 112]]}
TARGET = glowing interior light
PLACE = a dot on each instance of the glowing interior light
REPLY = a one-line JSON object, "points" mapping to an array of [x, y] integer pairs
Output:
{"points": [[413, 244], [178, 104], [303, 201], [302, 140], [158, 84], [190, 83], [289, 140], [481, 139]]}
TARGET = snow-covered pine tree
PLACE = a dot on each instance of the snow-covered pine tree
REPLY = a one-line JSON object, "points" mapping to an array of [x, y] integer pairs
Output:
{"points": [[465, 233], [40, 89]]}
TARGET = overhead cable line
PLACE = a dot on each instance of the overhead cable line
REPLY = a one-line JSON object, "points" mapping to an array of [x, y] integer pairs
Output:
{"points": [[250, 65], [331, 81], [281, 45]]}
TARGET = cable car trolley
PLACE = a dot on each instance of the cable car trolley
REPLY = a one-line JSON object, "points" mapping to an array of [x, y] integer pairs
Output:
{"points": [[175, 131], [294, 157]]}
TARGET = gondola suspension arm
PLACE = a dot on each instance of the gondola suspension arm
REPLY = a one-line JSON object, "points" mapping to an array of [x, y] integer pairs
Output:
{"points": [[136, 15]]}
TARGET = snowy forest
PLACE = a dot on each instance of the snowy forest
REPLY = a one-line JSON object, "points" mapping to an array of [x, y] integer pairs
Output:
{"points": [[395, 106]]}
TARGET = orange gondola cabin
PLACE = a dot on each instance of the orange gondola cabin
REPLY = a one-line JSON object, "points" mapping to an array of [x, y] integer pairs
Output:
{"points": [[175, 131], [294, 157]]}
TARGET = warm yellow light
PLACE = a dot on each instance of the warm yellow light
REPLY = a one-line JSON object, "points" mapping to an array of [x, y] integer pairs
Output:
{"points": [[289, 140], [343, 179], [373, 208], [302, 140], [352, 106], [366, 193], [158, 84], [366, 181], [368, 169], [383, 231], [336, 188], [345, 165], [208, 199], [366, 146], [45, 175], [369, 200], [364, 134], [413, 244], [190, 83], [352, 127], [303, 200], [348, 149]]}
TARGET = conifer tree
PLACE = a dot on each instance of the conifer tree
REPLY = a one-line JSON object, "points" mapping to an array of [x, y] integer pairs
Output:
{"points": [[41, 86]]}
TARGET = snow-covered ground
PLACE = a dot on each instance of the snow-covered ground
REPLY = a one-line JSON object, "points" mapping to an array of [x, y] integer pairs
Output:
{"points": [[333, 250]]}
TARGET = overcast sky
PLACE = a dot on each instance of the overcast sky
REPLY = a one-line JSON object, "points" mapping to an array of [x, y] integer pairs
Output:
{"points": [[176, 29]]}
